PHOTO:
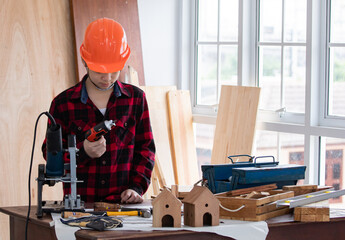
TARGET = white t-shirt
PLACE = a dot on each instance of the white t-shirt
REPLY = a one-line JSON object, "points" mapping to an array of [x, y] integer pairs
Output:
{"points": [[102, 110]]}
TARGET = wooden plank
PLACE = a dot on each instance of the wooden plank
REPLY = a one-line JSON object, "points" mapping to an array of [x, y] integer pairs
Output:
{"points": [[235, 125], [155, 183], [265, 216], [268, 208], [158, 107], [159, 173], [251, 189], [183, 144], [274, 197], [133, 77], [261, 217], [254, 202], [301, 189], [123, 11]]}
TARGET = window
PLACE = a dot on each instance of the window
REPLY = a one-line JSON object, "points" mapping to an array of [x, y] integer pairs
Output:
{"points": [[336, 59], [282, 54], [294, 50], [216, 48]]}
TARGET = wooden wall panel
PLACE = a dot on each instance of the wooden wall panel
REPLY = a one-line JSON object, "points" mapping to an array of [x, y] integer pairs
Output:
{"points": [[37, 62], [123, 11]]}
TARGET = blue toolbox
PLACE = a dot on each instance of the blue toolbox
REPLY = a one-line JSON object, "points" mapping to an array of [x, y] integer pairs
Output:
{"points": [[226, 177]]}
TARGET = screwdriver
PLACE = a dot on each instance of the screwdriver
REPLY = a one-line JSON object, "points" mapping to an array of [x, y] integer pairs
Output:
{"points": [[99, 130]]}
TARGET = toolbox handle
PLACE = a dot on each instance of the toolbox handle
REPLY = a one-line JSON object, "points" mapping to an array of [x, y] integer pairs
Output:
{"points": [[242, 155], [274, 162]]}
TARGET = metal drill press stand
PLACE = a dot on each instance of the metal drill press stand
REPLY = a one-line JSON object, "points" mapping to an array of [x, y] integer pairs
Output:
{"points": [[71, 201]]}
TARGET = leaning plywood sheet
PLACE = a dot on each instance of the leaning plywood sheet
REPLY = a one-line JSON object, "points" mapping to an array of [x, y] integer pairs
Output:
{"points": [[235, 125], [183, 145], [159, 116]]}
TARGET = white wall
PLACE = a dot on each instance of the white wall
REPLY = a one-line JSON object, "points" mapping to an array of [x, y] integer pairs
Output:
{"points": [[159, 27]]}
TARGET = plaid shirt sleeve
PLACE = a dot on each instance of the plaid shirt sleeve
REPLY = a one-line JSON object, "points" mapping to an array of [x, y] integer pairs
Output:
{"points": [[129, 158]]}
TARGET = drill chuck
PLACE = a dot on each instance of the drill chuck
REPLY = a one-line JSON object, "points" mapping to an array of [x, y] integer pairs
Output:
{"points": [[99, 130]]}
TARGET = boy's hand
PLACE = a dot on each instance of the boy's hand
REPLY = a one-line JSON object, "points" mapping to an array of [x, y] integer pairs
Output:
{"points": [[130, 196], [95, 149]]}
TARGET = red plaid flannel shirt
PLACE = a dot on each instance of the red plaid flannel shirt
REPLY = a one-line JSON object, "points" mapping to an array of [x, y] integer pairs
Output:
{"points": [[129, 158]]}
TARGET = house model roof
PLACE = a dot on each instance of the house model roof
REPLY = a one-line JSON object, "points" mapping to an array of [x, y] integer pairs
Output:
{"points": [[166, 195], [197, 194]]}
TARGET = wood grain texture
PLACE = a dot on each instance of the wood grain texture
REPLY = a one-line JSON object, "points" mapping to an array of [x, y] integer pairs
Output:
{"points": [[159, 116], [235, 125], [123, 11], [183, 144], [164, 205], [37, 63], [133, 77]]}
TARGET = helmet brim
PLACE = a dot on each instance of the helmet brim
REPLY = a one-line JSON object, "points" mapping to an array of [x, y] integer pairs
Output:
{"points": [[105, 67]]}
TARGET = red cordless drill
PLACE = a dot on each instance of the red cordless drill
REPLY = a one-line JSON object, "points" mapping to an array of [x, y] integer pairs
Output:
{"points": [[99, 130]]}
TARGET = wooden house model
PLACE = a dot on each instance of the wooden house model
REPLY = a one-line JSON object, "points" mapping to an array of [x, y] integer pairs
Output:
{"points": [[166, 210], [201, 208]]}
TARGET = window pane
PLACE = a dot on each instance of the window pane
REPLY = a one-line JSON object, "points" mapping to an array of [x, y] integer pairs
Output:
{"points": [[337, 21], [207, 75], [204, 141], [295, 20], [337, 82], [266, 144], [208, 20], [228, 65], [270, 20], [334, 168], [270, 77], [294, 79], [292, 148], [228, 20]]}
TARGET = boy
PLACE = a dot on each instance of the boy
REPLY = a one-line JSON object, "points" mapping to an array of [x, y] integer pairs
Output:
{"points": [[118, 166]]}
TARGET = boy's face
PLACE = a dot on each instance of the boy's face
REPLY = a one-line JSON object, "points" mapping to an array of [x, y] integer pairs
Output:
{"points": [[103, 80]]}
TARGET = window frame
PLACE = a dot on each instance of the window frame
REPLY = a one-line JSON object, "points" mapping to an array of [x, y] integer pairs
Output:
{"points": [[314, 124]]}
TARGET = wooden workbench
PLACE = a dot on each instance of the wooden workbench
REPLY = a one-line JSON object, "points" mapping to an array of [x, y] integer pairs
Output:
{"points": [[282, 227]]}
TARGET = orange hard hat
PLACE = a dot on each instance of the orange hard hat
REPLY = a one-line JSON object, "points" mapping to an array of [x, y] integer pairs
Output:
{"points": [[105, 47]]}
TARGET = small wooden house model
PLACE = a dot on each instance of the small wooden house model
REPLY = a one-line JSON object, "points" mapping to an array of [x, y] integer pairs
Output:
{"points": [[201, 208], [166, 210]]}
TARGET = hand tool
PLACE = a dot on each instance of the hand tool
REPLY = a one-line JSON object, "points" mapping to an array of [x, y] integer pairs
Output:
{"points": [[141, 213], [99, 130]]}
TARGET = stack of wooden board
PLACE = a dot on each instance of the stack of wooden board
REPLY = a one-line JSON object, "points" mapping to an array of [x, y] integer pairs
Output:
{"points": [[253, 206], [315, 212]]}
